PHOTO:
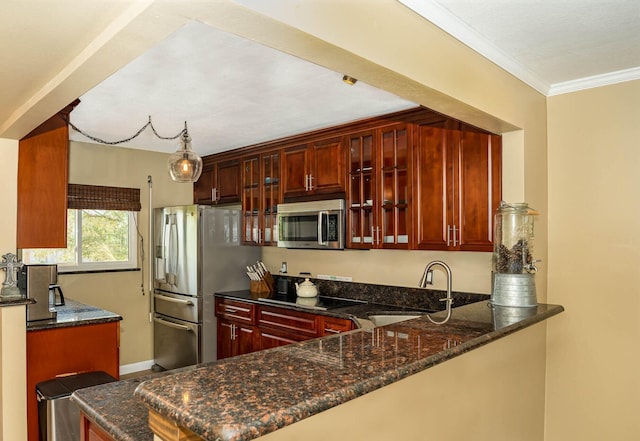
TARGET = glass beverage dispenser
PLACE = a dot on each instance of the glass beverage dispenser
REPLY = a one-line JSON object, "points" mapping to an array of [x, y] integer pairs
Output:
{"points": [[513, 263]]}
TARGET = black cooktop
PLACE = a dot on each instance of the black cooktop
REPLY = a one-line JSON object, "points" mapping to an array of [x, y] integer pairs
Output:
{"points": [[319, 302]]}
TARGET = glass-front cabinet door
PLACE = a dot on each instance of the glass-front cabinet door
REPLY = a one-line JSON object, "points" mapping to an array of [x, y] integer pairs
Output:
{"points": [[360, 216], [270, 178], [261, 196], [394, 187], [251, 200], [379, 188]]}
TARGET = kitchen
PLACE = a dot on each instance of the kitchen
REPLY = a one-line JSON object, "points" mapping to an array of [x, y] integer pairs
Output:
{"points": [[539, 166]]}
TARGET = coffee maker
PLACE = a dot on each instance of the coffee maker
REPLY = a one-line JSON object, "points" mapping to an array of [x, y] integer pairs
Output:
{"points": [[33, 283]]}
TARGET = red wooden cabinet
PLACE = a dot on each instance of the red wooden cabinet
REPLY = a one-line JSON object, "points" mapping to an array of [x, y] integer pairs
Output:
{"points": [[73, 349], [379, 191], [457, 189], [314, 168], [219, 182]]}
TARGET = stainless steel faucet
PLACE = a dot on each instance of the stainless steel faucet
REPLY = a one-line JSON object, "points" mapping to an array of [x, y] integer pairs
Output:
{"points": [[427, 279]]}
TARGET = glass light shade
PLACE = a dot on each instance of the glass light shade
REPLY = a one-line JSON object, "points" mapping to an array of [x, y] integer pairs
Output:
{"points": [[184, 164]]}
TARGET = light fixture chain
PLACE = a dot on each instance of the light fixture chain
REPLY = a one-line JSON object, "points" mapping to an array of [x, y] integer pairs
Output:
{"points": [[102, 141]]}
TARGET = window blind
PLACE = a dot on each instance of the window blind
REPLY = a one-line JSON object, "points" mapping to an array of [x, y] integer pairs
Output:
{"points": [[97, 197]]}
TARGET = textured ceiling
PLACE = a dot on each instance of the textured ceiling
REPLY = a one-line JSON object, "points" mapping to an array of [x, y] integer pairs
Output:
{"points": [[231, 92]]}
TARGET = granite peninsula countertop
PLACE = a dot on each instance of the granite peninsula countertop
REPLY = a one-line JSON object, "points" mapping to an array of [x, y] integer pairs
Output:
{"points": [[245, 397], [74, 313]]}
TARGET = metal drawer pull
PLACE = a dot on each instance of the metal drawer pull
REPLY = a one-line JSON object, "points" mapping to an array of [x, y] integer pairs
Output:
{"points": [[172, 325], [173, 300]]}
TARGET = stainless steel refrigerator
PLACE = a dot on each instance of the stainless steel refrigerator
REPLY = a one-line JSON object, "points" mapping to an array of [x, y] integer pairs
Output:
{"points": [[198, 252]]}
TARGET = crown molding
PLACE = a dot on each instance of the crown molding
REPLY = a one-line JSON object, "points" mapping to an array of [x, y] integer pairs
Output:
{"points": [[451, 24], [595, 81]]}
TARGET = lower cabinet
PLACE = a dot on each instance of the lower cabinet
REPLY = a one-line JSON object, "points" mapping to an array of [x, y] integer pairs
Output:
{"points": [[235, 338], [245, 327], [90, 431], [65, 350]]}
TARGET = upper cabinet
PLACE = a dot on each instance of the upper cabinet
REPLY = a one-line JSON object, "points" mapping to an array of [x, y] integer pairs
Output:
{"points": [[314, 168], [261, 195], [43, 170], [379, 194], [412, 180], [219, 182], [457, 189]]}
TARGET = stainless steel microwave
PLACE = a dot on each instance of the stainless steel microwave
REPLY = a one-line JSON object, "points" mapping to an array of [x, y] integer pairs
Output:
{"points": [[315, 225]]}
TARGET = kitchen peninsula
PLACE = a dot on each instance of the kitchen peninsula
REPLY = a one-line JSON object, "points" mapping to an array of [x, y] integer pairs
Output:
{"points": [[266, 392]]}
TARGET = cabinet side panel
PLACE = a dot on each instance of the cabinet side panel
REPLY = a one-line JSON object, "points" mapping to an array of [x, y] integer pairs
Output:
{"points": [[42, 189]]}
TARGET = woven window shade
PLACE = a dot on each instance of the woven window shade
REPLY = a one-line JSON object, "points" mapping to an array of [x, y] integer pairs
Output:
{"points": [[96, 197]]}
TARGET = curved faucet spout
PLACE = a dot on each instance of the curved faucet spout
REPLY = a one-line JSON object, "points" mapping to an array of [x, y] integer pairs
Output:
{"points": [[427, 279]]}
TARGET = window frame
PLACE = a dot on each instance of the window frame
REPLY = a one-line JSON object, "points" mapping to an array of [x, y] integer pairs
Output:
{"points": [[80, 266]]}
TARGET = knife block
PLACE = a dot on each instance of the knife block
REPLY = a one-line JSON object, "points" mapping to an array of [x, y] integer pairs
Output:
{"points": [[258, 287]]}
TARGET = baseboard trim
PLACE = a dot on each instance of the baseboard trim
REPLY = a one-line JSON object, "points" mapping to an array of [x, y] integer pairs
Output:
{"points": [[136, 367]]}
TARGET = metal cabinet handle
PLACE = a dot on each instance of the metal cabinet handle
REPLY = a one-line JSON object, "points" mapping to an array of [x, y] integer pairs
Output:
{"points": [[448, 235], [455, 243], [173, 300], [233, 332], [172, 325], [310, 182]]}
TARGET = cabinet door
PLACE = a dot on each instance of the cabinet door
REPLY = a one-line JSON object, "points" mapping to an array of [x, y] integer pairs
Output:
{"points": [[251, 200], [295, 172], [361, 220], [394, 198], [245, 340], [225, 342], [432, 167], [203, 187], [227, 188], [457, 189], [478, 191], [326, 172], [271, 196], [43, 157]]}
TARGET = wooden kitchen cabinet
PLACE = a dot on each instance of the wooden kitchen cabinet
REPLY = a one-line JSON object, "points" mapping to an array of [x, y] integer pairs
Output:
{"points": [[261, 194], [245, 327], [90, 431], [379, 199], [219, 182], [43, 171], [237, 333], [281, 326], [65, 350], [457, 189], [334, 325], [314, 168]]}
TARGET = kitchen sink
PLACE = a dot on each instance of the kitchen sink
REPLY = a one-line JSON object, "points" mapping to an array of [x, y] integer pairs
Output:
{"points": [[384, 318]]}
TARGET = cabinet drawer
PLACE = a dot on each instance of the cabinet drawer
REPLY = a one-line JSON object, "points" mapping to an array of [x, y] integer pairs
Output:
{"points": [[333, 325], [237, 311], [291, 322]]}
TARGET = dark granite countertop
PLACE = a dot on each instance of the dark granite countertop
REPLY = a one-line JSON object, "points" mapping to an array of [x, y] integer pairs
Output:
{"points": [[248, 396], [74, 314], [14, 301]]}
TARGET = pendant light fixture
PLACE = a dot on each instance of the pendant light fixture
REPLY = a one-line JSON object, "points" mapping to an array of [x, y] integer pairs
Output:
{"points": [[185, 165]]}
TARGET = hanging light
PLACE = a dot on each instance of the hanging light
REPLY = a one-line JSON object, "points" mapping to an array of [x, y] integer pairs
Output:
{"points": [[185, 165]]}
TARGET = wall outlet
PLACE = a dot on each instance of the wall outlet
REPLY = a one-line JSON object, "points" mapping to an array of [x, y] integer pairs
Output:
{"points": [[337, 278]]}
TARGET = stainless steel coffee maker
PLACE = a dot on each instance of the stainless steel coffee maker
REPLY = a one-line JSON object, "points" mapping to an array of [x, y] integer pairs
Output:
{"points": [[33, 283]]}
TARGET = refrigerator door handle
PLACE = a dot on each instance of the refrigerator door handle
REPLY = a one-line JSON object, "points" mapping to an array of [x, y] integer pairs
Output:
{"points": [[171, 324], [173, 300]]}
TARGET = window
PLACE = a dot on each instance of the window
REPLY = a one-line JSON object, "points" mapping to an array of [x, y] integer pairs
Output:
{"points": [[96, 240]]}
